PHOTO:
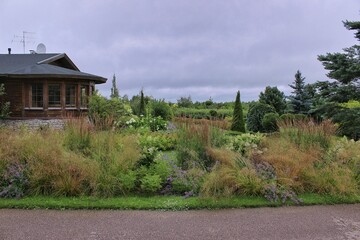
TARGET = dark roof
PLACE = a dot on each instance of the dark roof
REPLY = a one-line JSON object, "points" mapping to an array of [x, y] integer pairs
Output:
{"points": [[53, 65]]}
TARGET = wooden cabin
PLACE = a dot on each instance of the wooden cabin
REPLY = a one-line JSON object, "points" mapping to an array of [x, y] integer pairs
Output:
{"points": [[45, 86]]}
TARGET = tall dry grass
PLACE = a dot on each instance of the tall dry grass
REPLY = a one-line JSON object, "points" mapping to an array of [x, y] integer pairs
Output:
{"points": [[307, 133], [193, 139], [305, 159], [77, 161], [228, 177]]}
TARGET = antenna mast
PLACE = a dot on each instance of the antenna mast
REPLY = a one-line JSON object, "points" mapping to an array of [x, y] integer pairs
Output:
{"points": [[27, 37]]}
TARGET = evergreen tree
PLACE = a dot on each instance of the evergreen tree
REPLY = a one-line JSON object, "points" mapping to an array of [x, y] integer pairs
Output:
{"points": [[275, 98], [238, 123], [256, 113], [114, 89], [344, 67], [300, 101], [142, 104]]}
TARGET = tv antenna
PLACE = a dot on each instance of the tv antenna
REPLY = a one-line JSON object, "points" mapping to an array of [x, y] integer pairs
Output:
{"points": [[27, 37]]}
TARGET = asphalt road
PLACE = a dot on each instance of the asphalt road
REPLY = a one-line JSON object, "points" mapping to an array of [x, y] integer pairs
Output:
{"points": [[315, 222]]}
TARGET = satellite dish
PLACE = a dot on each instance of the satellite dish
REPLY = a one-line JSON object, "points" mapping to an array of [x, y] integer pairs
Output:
{"points": [[41, 48]]}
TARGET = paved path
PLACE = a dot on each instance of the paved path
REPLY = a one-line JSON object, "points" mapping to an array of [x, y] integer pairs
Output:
{"points": [[315, 222]]}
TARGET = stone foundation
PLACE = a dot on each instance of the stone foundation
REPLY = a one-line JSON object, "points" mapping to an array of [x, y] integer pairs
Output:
{"points": [[34, 124]]}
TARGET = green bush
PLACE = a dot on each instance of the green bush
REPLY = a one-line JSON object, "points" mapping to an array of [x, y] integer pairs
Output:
{"points": [[159, 108], [188, 181], [107, 113], [150, 183], [349, 122], [203, 113], [14, 182], [127, 181], [151, 123], [269, 122], [255, 116], [244, 143]]}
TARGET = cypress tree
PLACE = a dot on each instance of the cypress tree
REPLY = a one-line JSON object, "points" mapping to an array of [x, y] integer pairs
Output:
{"points": [[142, 104], [114, 89], [238, 123]]}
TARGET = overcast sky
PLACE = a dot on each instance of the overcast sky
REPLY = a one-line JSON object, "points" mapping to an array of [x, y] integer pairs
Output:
{"points": [[174, 48]]}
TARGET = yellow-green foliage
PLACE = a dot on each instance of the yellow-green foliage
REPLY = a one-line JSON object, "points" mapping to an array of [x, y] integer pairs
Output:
{"points": [[101, 168], [351, 104], [331, 179], [228, 178]]}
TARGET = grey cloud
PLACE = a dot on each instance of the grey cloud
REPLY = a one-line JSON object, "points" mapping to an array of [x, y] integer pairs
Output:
{"points": [[203, 48]]}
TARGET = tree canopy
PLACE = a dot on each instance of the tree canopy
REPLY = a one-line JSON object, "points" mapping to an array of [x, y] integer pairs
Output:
{"points": [[344, 67], [275, 98]]}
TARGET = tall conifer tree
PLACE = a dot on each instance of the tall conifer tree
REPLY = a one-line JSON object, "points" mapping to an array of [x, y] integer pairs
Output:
{"points": [[114, 89], [300, 101], [238, 123], [142, 104]]}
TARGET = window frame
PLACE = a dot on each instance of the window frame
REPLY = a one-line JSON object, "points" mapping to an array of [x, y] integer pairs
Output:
{"points": [[54, 98], [36, 97], [71, 97]]}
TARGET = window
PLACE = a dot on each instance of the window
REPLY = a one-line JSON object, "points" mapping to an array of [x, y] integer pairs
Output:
{"points": [[37, 95], [70, 96], [54, 95], [84, 93]]}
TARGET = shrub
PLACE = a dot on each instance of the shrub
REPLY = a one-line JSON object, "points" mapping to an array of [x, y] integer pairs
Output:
{"points": [[150, 183], [274, 193], [244, 143], [255, 116], [107, 113], [151, 123], [14, 182], [349, 122], [269, 122], [213, 113], [159, 108], [162, 141], [187, 181], [203, 113], [127, 181]]}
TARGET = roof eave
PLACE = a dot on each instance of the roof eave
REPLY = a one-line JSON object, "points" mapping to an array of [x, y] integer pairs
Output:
{"points": [[96, 79]]}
